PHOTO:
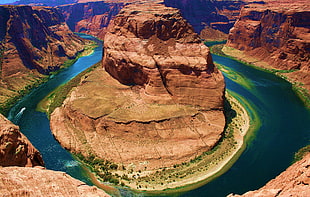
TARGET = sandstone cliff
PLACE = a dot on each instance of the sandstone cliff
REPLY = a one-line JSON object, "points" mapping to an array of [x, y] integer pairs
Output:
{"points": [[91, 18], [35, 182], [277, 33], [33, 41], [164, 104], [15, 148], [294, 181]]}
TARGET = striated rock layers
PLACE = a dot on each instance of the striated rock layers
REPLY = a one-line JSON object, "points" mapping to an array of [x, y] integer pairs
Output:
{"points": [[15, 148], [294, 181], [277, 33], [158, 49], [33, 41], [17, 181], [90, 17], [163, 105]]}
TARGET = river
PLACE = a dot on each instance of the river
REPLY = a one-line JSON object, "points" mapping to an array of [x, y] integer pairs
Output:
{"points": [[285, 127]]}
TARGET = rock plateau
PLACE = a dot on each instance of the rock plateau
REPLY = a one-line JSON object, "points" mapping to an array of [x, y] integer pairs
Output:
{"points": [[163, 104]]}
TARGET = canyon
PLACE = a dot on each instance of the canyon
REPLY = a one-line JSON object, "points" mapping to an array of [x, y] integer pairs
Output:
{"points": [[158, 101], [158, 91], [34, 42], [275, 35]]}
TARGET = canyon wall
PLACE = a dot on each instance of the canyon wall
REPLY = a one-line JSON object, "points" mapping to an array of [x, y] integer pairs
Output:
{"points": [[34, 41], [91, 18], [163, 104], [277, 33], [294, 181]]}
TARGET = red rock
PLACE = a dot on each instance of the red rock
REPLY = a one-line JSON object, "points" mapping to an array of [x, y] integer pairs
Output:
{"points": [[154, 47], [15, 148], [278, 33], [19, 181]]}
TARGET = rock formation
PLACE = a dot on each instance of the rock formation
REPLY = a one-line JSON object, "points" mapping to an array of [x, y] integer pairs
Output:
{"points": [[17, 181], [33, 41], [294, 181], [161, 52], [277, 33], [91, 18], [15, 148], [164, 104]]}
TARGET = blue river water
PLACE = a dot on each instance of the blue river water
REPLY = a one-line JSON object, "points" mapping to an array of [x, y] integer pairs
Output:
{"points": [[285, 127]]}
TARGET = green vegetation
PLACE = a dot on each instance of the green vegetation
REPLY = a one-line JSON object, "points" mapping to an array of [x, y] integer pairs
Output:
{"points": [[301, 153], [10, 102], [102, 168], [55, 98], [237, 55]]}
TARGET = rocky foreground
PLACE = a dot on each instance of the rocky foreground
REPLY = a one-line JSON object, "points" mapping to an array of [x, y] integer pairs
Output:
{"points": [[23, 180], [159, 102], [15, 148]]}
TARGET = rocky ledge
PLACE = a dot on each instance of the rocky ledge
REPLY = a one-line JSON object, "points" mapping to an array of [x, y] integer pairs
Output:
{"points": [[159, 102], [36, 182], [294, 181], [276, 33], [15, 148]]}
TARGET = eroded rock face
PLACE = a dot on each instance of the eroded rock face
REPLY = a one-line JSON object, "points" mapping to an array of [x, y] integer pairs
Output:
{"points": [[294, 181], [278, 33], [163, 105], [15, 148], [33, 41], [90, 17], [153, 46], [17, 181]]}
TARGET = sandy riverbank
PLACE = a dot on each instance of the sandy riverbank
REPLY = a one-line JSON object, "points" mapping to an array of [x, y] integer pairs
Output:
{"points": [[205, 167]]}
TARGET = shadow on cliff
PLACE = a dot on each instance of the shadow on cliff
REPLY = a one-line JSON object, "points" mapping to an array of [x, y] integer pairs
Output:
{"points": [[229, 113]]}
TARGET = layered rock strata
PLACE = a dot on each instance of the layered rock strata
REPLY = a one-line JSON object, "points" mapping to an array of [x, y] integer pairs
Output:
{"points": [[17, 181], [163, 105], [90, 17], [294, 181], [33, 41], [154, 47], [15, 148], [277, 33]]}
